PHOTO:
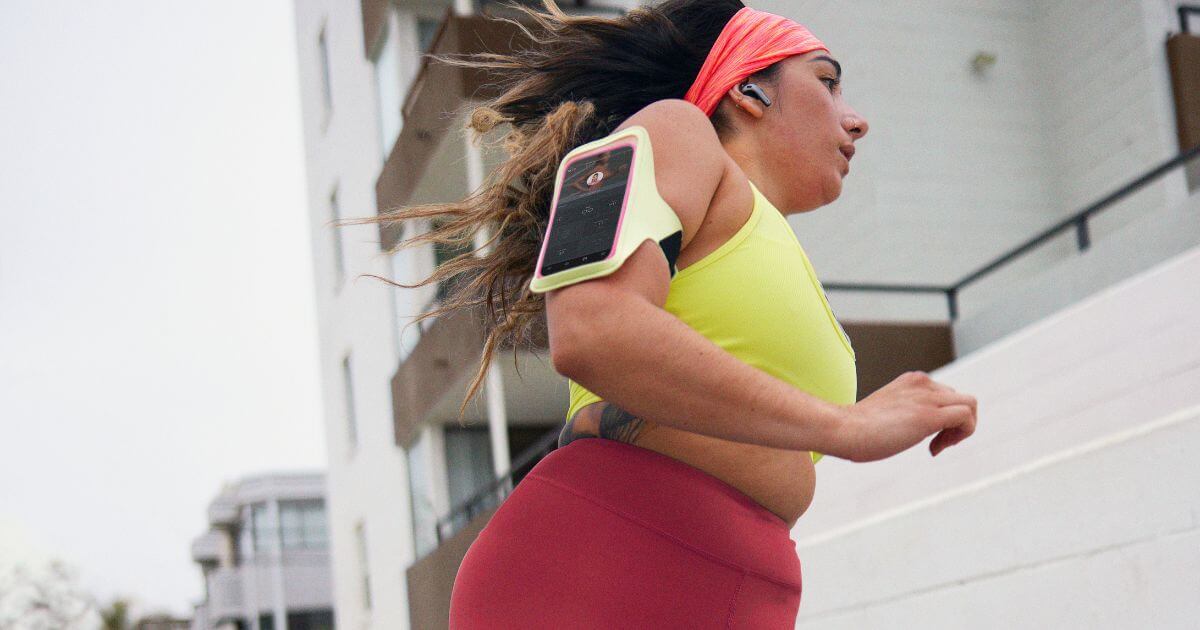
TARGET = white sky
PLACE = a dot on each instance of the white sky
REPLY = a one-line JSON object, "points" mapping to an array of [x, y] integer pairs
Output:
{"points": [[157, 327]]}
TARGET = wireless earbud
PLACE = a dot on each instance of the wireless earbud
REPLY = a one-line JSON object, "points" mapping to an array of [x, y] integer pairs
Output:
{"points": [[753, 91]]}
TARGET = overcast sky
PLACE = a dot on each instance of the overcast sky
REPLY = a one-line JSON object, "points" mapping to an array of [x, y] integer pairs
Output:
{"points": [[157, 327]]}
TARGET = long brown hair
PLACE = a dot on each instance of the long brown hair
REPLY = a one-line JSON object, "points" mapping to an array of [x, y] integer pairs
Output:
{"points": [[580, 79]]}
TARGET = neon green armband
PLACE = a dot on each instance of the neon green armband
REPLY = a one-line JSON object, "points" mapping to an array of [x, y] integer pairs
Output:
{"points": [[605, 205]]}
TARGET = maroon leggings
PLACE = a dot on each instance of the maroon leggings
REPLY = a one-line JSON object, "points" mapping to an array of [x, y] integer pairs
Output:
{"points": [[603, 534]]}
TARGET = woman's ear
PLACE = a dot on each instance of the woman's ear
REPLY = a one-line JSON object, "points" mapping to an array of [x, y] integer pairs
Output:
{"points": [[745, 103]]}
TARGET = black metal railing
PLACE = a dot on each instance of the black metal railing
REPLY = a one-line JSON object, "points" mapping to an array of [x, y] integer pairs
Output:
{"points": [[497, 490], [1184, 11], [1078, 221]]}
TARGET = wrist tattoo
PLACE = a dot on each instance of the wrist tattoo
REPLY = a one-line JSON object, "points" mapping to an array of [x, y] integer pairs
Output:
{"points": [[618, 424], [603, 420]]}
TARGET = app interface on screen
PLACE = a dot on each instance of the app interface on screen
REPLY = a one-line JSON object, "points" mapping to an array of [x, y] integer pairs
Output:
{"points": [[589, 205]]}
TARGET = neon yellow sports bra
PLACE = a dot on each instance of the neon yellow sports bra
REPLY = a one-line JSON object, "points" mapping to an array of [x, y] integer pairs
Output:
{"points": [[758, 297]]}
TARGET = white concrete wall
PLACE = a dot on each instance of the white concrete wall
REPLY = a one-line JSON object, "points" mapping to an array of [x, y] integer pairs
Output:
{"points": [[1155, 234], [958, 167], [370, 482], [1105, 117], [954, 166], [1074, 505]]}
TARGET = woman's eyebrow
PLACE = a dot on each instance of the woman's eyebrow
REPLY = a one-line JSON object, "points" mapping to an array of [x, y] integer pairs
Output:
{"points": [[836, 66]]}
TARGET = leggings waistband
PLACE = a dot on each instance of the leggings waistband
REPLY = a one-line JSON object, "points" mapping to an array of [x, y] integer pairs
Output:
{"points": [[677, 500]]}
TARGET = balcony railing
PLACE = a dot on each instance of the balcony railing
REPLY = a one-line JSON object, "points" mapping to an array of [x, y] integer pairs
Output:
{"points": [[1077, 221], [225, 599], [497, 490]]}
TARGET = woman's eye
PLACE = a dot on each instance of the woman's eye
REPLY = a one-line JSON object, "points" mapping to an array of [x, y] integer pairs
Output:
{"points": [[833, 83]]}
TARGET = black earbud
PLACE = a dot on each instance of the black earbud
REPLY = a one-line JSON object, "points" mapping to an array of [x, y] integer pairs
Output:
{"points": [[753, 91]]}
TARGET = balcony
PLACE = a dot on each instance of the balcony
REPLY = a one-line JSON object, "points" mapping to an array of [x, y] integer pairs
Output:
{"points": [[223, 511], [206, 549], [431, 577], [244, 591], [433, 108], [432, 381], [226, 599]]}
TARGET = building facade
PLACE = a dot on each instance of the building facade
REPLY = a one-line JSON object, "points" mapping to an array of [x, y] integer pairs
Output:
{"points": [[991, 122], [265, 557]]}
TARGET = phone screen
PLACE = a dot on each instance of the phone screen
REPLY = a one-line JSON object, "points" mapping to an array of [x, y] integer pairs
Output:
{"points": [[589, 206]]}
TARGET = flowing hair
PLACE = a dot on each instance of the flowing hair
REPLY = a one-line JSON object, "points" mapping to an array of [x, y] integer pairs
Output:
{"points": [[580, 78]]}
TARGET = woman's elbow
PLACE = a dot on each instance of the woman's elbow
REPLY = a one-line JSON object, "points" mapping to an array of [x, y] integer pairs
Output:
{"points": [[562, 355], [564, 342]]}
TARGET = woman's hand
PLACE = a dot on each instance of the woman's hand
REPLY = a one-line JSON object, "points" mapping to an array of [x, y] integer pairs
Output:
{"points": [[901, 414]]}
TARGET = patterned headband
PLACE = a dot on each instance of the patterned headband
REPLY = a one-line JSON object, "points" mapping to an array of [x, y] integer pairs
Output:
{"points": [[751, 41]]}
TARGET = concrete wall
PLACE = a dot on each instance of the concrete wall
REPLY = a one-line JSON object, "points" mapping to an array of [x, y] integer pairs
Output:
{"points": [[1074, 505], [959, 167], [369, 482], [954, 167], [1155, 234], [1104, 118]]}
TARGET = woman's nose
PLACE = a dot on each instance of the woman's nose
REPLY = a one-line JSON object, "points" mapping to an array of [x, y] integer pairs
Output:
{"points": [[856, 125]]}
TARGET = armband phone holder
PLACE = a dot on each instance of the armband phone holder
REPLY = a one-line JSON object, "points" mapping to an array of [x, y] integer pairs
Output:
{"points": [[605, 205]]}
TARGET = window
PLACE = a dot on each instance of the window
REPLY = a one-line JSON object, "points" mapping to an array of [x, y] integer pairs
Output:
{"points": [[302, 524], [266, 622], [261, 535], [310, 620], [360, 538], [341, 255], [245, 537], [348, 392], [326, 83], [468, 464], [388, 89], [420, 490], [426, 29], [443, 253]]}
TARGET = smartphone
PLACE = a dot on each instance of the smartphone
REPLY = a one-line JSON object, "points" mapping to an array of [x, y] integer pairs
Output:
{"points": [[588, 208]]}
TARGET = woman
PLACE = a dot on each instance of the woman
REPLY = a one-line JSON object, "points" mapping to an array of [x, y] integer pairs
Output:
{"points": [[700, 401]]}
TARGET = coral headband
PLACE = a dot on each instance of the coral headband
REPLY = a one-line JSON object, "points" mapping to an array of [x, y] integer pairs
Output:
{"points": [[751, 41]]}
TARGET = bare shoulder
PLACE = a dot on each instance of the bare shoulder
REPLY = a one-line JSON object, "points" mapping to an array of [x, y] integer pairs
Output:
{"points": [[689, 161], [689, 166]]}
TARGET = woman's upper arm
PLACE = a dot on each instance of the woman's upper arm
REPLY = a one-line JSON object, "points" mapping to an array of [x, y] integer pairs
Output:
{"points": [[689, 164]]}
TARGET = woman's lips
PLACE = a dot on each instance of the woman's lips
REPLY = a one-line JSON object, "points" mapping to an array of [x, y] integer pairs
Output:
{"points": [[847, 153]]}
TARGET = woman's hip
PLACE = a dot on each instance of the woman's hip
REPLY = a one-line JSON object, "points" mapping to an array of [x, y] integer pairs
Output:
{"points": [[603, 530]]}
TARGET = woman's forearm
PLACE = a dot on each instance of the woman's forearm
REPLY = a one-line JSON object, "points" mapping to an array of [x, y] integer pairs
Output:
{"points": [[649, 363]]}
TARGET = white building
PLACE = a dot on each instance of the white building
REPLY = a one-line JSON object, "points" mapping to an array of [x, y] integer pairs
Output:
{"points": [[991, 122], [265, 557]]}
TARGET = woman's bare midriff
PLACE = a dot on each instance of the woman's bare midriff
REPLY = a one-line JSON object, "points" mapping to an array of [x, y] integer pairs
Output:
{"points": [[783, 481]]}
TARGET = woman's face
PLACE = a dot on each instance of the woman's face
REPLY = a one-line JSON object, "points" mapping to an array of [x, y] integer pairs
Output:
{"points": [[802, 140]]}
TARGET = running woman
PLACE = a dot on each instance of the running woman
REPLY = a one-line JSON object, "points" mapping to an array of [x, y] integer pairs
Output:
{"points": [[699, 401]]}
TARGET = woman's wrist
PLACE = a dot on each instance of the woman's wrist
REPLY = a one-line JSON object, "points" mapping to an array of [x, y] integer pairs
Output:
{"points": [[831, 430]]}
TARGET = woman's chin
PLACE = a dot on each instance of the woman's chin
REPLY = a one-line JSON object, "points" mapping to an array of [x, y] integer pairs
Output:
{"points": [[830, 190], [834, 190]]}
